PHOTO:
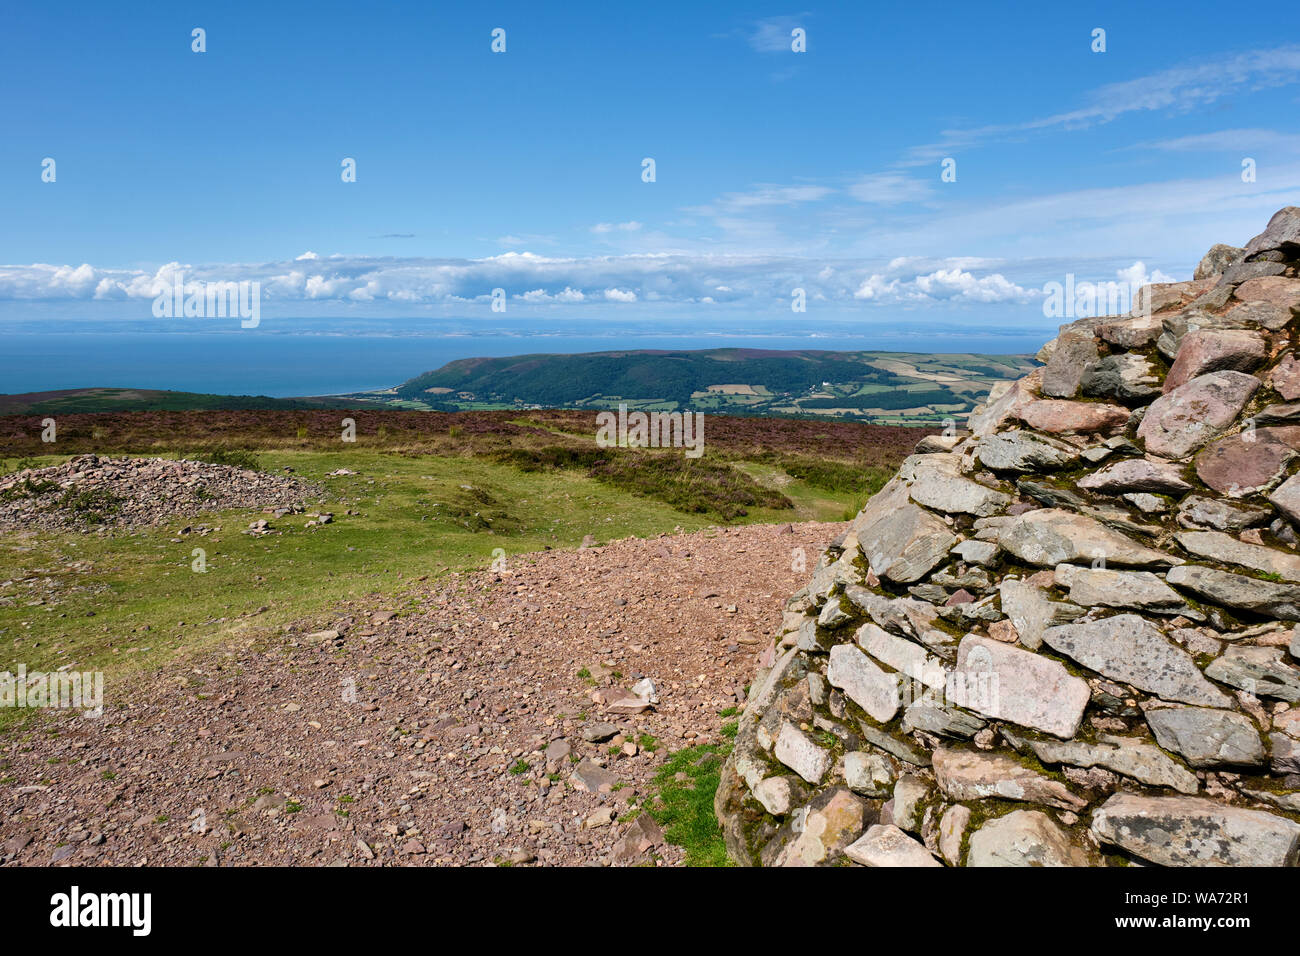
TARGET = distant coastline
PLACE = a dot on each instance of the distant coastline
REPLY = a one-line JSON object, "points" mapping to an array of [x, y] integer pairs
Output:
{"points": [[282, 361]]}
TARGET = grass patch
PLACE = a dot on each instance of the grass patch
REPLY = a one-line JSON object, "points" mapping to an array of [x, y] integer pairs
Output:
{"points": [[684, 808], [234, 457], [91, 505], [692, 485]]}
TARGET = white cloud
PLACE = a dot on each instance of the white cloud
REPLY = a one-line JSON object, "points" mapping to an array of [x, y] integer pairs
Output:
{"points": [[603, 227], [541, 295], [951, 284], [773, 34], [763, 194], [753, 282], [959, 284], [889, 187], [1136, 275]]}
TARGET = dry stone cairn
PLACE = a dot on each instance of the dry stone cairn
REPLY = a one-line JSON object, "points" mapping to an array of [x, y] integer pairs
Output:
{"points": [[1067, 637]]}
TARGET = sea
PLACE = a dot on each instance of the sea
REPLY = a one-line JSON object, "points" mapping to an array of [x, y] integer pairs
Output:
{"points": [[303, 357]]}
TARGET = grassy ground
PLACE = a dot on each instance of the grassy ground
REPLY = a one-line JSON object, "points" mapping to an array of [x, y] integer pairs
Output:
{"points": [[105, 601], [684, 808]]}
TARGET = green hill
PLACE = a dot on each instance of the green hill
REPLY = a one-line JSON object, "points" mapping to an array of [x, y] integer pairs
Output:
{"points": [[901, 386], [72, 401]]}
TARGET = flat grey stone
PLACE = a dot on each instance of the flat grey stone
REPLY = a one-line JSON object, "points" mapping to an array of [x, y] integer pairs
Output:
{"points": [[902, 655], [1199, 512], [1024, 451], [973, 551], [801, 754], [1127, 376], [871, 688], [1137, 474], [883, 845], [1281, 800], [868, 773], [1048, 537], [1129, 756], [1238, 591], [1130, 648], [935, 482], [1147, 503], [592, 777], [1106, 588], [1259, 671], [904, 750], [941, 720], [1226, 549], [1193, 831], [907, 544], [1007, 683], [1024, 838], [833, 615], [974, 775], [1031, 611], [1280, 414], [1205, 737]]}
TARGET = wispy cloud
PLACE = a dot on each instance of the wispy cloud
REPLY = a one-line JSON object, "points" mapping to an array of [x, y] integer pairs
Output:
{"points": [[1227, 141], [1179, 89], [772, 35], [601, 228], [889, 188]]}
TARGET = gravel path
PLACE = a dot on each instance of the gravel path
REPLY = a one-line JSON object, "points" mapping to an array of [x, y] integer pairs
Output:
{"points": [[452, 729]]}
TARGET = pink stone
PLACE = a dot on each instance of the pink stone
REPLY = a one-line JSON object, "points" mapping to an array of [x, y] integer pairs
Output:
{"points": [[1194, 414], [1004, 631], [988, 417], [1059, 416], [1286, 377], [1169, 295], [1211, 350], [1275, 290], [1245, 464]]}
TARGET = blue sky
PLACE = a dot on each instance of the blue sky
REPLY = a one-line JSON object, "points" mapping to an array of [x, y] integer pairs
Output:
{"points": [[522, 170]]}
